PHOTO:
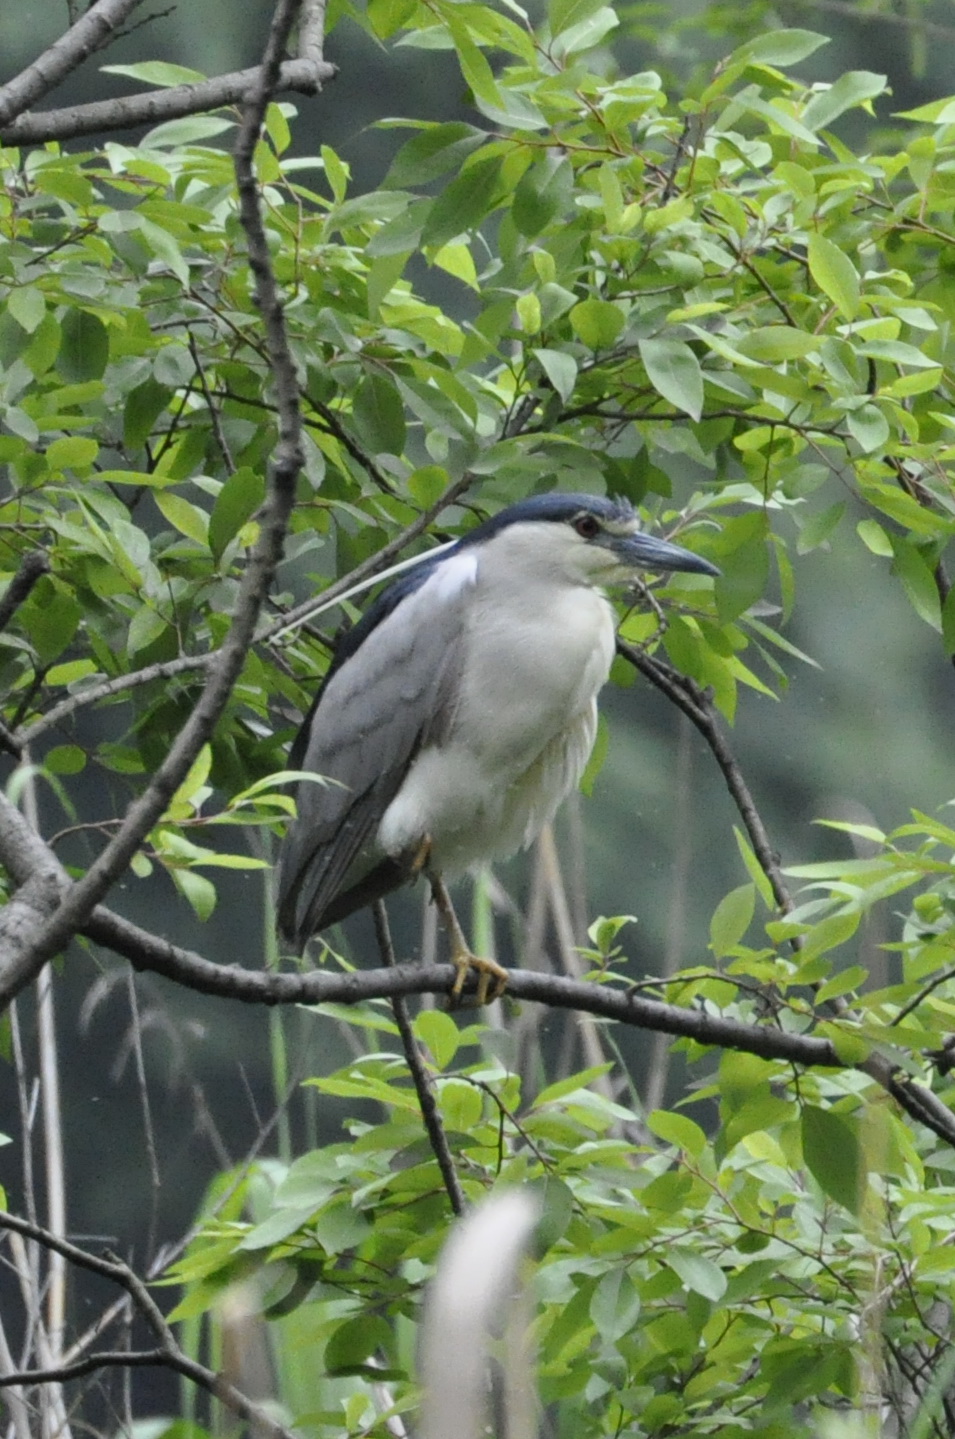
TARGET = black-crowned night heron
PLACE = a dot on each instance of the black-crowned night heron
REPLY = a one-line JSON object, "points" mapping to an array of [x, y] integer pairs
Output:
{"points": [[460, 711]]}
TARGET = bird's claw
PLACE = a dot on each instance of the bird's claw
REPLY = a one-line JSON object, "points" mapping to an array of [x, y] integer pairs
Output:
{"points": [[487, 969]]}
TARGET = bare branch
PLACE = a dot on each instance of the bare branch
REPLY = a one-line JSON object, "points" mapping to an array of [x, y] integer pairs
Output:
{"points": [[152, 107], [167, 1352], [694, 703], [78, 1368], [66, 54], [419, 1074]]}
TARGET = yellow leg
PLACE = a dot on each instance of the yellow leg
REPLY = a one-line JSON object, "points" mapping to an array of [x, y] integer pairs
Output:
{"points": [[462, 956]]}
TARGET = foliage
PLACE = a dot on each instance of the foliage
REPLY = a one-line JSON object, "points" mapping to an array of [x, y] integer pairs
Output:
{"points": [[708, 304], [684, 1286]]}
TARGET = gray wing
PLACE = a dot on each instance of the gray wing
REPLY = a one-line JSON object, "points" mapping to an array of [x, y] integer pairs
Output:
{"points": [[394, 694]]}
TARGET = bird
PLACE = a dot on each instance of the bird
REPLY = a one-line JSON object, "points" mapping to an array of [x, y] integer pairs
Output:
{"points": [[459, 711]]}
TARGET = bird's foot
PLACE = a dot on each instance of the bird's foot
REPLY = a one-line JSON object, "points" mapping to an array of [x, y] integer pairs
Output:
{"points": [[487, 970]]}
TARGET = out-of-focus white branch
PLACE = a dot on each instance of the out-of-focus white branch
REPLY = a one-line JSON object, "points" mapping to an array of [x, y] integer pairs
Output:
{"points": [[480, 1296]]}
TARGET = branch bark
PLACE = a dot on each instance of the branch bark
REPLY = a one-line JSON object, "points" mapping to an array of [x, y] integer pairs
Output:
{"points": [[305, 75], [90, 33]]}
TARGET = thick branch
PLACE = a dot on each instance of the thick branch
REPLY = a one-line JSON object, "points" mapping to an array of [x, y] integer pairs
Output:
{"points": [[23, 854], [152, 107], [66, 54]]}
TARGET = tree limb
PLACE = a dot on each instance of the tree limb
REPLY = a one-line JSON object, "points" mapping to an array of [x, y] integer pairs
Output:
{"points": [[152, 107], [689, 698], [305, 74], [66, 54]]}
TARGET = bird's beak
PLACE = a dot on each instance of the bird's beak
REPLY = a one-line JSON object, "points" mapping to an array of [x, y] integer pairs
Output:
{"points": [[647, 552]]}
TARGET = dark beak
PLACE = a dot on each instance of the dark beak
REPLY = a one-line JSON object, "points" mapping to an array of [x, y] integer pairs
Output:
{"points": [[647, 552]]}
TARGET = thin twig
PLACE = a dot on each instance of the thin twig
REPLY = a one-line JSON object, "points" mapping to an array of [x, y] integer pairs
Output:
{"points": [[422, 1080], [695, 704], [167, 1351]]}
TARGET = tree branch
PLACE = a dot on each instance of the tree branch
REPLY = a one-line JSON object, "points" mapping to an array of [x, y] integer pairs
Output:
{"points": [[66, 54], [694, 703], [23, 854], [167, 1352], [419, 1074], [150, 107]]}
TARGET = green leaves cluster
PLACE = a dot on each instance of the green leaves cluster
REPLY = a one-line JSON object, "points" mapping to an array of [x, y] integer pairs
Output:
{"points": [[681, 1285]]}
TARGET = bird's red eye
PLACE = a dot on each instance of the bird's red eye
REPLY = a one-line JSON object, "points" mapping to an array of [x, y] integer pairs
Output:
{"points": [[587, 527]]}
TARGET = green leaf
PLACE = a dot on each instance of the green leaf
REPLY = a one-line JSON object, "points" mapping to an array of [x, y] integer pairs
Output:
{"points": [[835, 274], [598, 323], [874, 537], [354, 1342], [199, 891], [540, 194], [781, 47], [732, 919], [65, 759], [674, 372], [379, 415], [69, 673], [770, 343], [235, 504], [73, 452], [143, 407], [461, 1104], [677, 1129], [755, 870], [157, 72], [869, 428], [440, 1033], [696, 1272], [833, 1155], [436, 151], [560, 369], [587, 33], [27, 306], [187, 518], [464, 203], [84, 347], [855, 87], [336, 173]]}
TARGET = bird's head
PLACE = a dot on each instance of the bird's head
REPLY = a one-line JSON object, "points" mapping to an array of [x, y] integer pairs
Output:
{"points": [[586, 538]]}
